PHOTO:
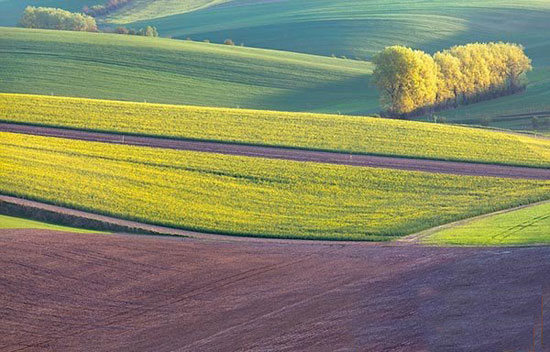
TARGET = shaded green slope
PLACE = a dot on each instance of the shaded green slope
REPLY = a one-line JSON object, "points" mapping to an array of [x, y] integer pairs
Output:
{"points": [[361, 27], [358, 29], [171, 71]]}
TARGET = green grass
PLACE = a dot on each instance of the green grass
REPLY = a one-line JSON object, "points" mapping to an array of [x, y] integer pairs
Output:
{"points": [[146, 9], [248, 196], [360, 28], [190, 74], [311, 131], [111, 66], [10, 222], [526, 226]]}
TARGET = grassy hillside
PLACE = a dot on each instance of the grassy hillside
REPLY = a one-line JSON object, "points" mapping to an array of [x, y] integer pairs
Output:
{"points": [[139, 10], [134, 68], [360, 28], [353, 28], [247, 196], [312, 131], [526, 226]]}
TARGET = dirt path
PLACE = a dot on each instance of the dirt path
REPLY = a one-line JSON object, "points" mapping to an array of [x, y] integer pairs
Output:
{"points": [[87, 292], [435, 166]]}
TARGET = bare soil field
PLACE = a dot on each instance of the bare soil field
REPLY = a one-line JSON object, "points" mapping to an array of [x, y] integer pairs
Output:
{"points": [[434, 166], [92, 292]]}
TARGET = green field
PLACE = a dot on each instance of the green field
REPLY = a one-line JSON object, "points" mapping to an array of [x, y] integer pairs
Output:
{"points": [[182, 73], [360, 28], [111, 66], [310, 131], [527, 226], [146, 9], [248, 196], [10, 222]]}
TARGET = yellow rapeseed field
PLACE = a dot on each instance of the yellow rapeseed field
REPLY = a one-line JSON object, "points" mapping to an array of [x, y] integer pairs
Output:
{"points": [[247, 196], [301, 130]]}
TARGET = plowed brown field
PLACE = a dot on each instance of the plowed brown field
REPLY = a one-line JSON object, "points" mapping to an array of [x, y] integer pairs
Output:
{"points": [[87, 292]]}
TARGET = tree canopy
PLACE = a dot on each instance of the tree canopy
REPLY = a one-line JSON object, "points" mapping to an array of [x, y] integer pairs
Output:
{"points": [[411, 80], [52, 18]]}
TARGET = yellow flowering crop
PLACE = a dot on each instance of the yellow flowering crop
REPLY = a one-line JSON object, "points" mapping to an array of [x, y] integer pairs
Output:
{"points": [[301, 130], [247, 196]]}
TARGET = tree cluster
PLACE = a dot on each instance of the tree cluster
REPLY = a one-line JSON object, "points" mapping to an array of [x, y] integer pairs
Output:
{"points": [[51, 18], [148, 31], [109, 6], [413, 82]]}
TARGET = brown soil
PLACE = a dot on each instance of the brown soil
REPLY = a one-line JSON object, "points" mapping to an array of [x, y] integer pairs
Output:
{"points": [[88, 292], [435, 166]]}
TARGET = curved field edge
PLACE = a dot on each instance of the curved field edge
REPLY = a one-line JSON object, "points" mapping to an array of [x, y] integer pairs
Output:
{"points": [[247, 196], [525, 225], [13, 222], [335, 133]]}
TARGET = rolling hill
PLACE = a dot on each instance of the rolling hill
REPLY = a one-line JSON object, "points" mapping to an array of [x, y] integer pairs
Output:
{"points": [[111, 66], [358, 29]]}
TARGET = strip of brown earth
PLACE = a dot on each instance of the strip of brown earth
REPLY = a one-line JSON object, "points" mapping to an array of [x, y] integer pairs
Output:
{"points": [[432, 166], [68, 292]]}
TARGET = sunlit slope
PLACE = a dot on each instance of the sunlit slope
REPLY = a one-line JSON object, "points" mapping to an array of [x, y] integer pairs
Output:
{"points": [[525, 226], [171, 71], [248, 196], [302, 130], [360, 28]]}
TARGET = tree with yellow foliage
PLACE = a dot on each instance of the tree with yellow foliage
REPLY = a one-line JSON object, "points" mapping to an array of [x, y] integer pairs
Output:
{"points": [[411, 81], [450, 80], [406, 78]]}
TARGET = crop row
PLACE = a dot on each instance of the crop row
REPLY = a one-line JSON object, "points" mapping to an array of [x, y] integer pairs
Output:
{"points": [[247, 196], [302, 130]]}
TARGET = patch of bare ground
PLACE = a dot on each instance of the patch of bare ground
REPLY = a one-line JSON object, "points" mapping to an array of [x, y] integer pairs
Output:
{"points": [[88, 292]]}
